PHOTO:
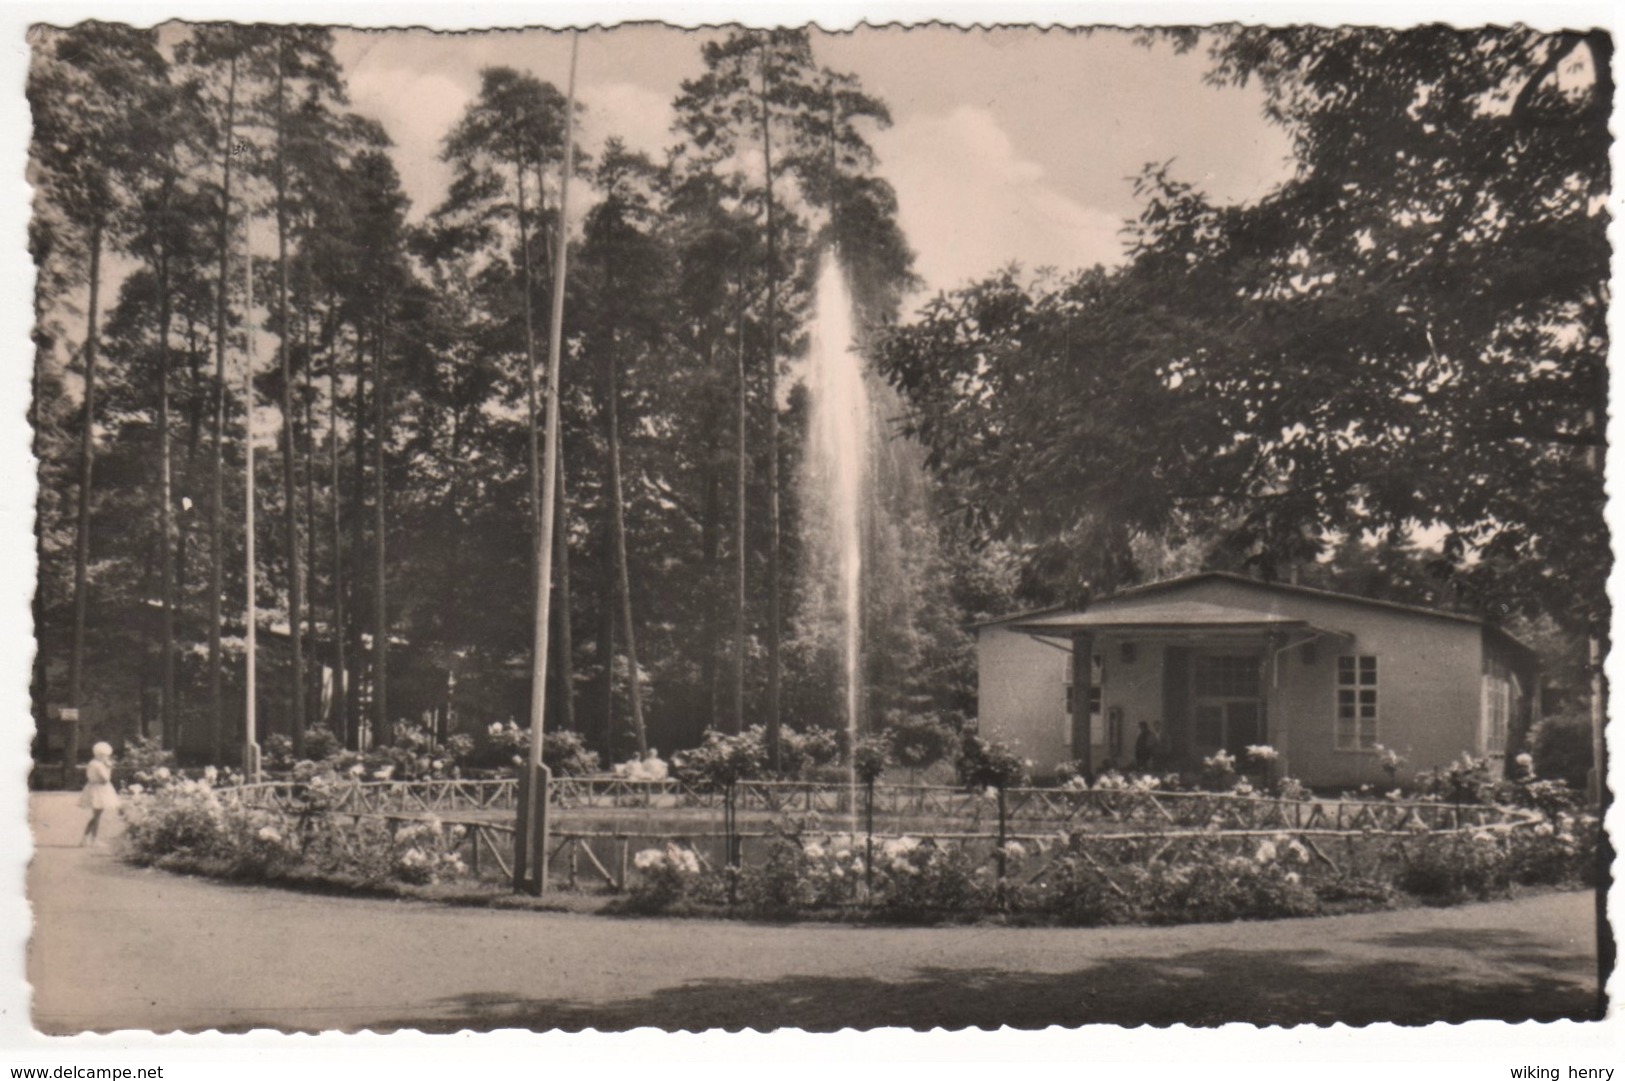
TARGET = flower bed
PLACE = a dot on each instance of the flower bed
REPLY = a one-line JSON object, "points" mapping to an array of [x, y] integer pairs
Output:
{"points": [[1117, 853], [189, 825]]}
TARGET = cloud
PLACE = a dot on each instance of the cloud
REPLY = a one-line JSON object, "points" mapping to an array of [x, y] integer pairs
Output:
{"points": [[417, 107], [969, 202], [639, 115]]}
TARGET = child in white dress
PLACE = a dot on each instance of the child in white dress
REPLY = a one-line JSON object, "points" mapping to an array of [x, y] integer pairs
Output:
{"points": [[98, 794]]}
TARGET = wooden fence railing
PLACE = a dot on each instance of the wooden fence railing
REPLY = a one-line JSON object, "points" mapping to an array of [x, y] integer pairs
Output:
{"points": [[1115, 809], [1108, 827]]}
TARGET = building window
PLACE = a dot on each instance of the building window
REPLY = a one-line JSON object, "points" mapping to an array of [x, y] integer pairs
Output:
{"points": [[1356, 703], [1223, 675], [1497, 706]]}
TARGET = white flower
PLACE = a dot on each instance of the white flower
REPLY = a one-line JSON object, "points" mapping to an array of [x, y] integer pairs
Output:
{"points": [[384, 774], [1266, 852], [210, 774], [1293, 877], [357, 770], [269, 833], [438, 764], [1526, 762], [1396, 795], [163, 773], [648, 858], [1263, 752], [1015, 850], [814, 850], [136, 790], [990, 792], [898, 847], [1243, 789], [1543, 830], [1298, 852], [494, 729]]}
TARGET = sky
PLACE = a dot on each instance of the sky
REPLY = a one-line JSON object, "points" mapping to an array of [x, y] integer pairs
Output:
{"points": [[1008, 145]]}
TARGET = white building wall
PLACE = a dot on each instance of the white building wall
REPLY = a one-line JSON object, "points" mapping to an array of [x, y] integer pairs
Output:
{"points": [[1429, 684]]}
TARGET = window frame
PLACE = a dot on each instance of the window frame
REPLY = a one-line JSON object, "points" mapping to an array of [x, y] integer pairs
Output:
{"points": [[1356, 663]]}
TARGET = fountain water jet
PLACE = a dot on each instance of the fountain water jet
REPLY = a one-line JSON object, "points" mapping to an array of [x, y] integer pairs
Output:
{"points": [[841, 432]]}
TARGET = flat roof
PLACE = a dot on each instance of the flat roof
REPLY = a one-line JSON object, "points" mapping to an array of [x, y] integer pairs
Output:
{"points": [[1165, 615]]}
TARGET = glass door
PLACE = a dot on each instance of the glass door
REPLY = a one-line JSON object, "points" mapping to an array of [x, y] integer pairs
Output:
{"points": [[1225, 702]]}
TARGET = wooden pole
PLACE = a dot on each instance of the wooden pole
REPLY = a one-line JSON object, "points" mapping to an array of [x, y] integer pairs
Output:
{"points": [[535, 805], [251, 755]]}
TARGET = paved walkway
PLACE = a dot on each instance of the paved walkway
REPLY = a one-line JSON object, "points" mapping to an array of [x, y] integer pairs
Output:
{"points": [[117, 947]]}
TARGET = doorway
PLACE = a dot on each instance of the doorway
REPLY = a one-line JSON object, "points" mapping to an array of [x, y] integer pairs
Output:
{"points": [[1226, 703]]}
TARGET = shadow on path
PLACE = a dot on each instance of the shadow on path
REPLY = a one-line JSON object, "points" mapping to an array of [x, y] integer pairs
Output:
{"points": [[1203, 987]]}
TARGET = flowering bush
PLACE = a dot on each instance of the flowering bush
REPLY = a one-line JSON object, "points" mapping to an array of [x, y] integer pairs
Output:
{"points": [[871, 757], [722, 761], [922, 880], [664, 878], [986, 763], [184, 819], [424, 852], [144, 754], [1218, 772], [1449, 868], [803, 753]]}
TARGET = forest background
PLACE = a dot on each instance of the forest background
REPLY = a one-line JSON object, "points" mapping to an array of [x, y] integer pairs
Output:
{"points": [[1385, 373]]}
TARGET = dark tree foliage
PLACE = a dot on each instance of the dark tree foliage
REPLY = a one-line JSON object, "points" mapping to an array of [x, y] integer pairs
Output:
{"points": [[1408, 334]]}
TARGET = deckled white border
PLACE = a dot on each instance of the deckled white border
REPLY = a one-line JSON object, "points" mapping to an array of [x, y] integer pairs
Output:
{"points": [[1476, 1050]]}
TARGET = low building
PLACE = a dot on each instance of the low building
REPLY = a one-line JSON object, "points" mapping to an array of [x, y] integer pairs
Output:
{"points": [[1221, 661]]}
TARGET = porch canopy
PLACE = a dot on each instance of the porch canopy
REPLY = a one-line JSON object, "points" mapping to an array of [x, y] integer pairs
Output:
{"points": [[1173, 619]]}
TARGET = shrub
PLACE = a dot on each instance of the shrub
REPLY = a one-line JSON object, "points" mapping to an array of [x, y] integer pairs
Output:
{"points": [[986, 763], [143, 754], [424, 852], [803, 753], [185, 819], [1450, 868], [921, 881], [918, 741], [566, 754], [665, 876], [1077, 893], [870, 758], [1561, 748], [321, 743], [721, 761]]}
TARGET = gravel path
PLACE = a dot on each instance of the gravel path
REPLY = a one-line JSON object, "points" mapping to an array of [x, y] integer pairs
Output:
{"points": [[117, 947]]}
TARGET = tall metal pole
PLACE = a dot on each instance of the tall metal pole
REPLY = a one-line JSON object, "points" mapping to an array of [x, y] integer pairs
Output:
{"points": [[536, 794], [251, 749]]}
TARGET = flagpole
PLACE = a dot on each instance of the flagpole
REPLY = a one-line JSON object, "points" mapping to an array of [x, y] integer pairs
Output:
{"points": [[251, 749], [535, 805]]}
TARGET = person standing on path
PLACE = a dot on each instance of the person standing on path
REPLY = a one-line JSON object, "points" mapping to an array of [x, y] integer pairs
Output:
{"points": [[98, 794]]}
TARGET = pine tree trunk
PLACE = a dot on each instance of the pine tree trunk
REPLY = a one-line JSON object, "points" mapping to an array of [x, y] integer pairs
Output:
{"points": [[774, 676], [606, 632], [339, 708], [217, 555], [618, 519], [741, 546], [290, 467], [566, 640], [710, 551], [380, 639], [167, 718], [358, 510], [87, 464]]}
